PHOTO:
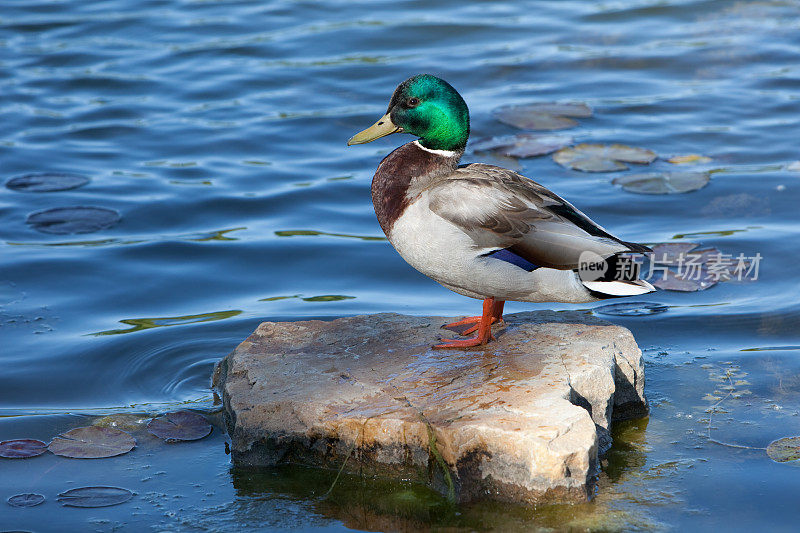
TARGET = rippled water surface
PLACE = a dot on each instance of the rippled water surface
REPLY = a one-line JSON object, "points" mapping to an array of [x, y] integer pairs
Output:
{"points": [[217, 130]]}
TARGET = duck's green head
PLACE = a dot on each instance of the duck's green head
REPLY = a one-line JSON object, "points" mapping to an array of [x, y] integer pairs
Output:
{"points": [[425, 106]]}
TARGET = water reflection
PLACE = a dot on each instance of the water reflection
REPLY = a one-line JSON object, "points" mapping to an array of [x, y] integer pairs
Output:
{"points": [[314, 233], [715, 233], [378, 504], [218, 235], [139, 324], [320, 298]]}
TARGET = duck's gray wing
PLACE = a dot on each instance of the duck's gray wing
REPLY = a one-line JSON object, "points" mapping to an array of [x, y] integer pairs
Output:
{"points": [[500, 209]]}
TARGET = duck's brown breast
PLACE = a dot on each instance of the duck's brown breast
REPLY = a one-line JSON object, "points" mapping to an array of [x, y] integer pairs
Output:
{"points": [[408, 165]]}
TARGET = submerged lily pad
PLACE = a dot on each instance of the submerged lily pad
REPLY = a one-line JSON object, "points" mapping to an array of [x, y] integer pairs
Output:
{"points": [[543, 116], [22, 448], [27, 499], [94, 496], [123, 421], [179, 425], [663, 182], [668, 253], [328, 298], [523, 145], [784, 450], [689, 158], [500, 160], [685, 282], [46, 182], [69, 220], [314, 233], [632, 309], [683, 266], [601, 157], [92, 442]]}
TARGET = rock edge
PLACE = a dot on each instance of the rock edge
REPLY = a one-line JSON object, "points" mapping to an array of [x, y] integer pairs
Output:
{"points": [[521, 420]]}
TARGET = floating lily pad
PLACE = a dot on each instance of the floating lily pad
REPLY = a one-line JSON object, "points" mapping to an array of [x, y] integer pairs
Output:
{"points": [[178, 426], [523, 145], [46, 182], [602, 157], [94, 496], [27, 499], [22, 448], [543, 116], [663, 182], [68, 220], [784, 450], [689, 158], [92, 442], [632, 309]]}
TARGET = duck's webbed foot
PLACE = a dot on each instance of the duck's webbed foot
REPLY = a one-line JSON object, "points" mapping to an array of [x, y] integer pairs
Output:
{"points": [[463, 343], [471, 321], [492, 312]]}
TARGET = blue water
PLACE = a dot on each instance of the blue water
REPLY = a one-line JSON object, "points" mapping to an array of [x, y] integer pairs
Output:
{"points": [[217, 130]]}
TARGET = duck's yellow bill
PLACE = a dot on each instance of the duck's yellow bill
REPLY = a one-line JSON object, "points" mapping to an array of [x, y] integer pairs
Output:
{"points": [[382, 128]]}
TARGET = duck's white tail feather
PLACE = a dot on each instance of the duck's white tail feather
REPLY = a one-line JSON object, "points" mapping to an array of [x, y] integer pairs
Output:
{"points": [[619, 288]]}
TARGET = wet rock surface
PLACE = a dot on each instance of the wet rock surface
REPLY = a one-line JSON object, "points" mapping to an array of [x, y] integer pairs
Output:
{"points": [[522, 419]]}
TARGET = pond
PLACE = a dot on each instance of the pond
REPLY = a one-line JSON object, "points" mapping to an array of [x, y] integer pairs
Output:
{"points": [[212, 134]]}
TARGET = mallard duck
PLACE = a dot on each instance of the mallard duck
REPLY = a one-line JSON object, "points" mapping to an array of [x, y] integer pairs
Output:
{"points": [[480, 230]]}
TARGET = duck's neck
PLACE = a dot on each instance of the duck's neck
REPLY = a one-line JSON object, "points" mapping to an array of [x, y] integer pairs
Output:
{"points": [[403, 174]]}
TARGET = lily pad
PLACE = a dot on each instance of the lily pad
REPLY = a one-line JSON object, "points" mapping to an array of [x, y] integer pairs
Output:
{"points": [[500, 160], [523, 145], [27, 499], [94, 496], [328, 298], [92, 442], [683, 266], [178, 426], [601, 157], [632, 309], [668, 253], [663, 182], [547, 116], [46, 182], [70, 220], [123, 421], [689, 158], [784, 450], [22, 448]]}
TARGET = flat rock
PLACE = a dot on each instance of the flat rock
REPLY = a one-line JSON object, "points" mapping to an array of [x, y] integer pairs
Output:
{"points": [[522, 419]]}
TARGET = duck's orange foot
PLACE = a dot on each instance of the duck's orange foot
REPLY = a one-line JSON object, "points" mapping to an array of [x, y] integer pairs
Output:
{"points": [[492, 312], [472, 321], [462, 343]]}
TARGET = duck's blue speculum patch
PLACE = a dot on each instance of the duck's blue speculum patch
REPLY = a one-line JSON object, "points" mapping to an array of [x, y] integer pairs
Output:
{"points": [[508, 256]]}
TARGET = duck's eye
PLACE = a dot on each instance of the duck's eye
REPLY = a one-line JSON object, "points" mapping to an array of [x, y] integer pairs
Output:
{"points": [[412, 102]]}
